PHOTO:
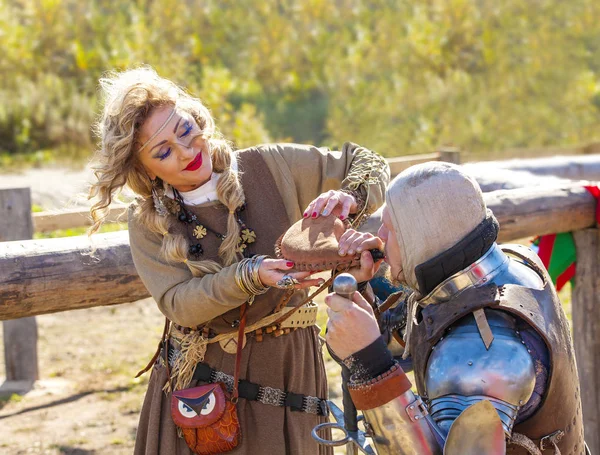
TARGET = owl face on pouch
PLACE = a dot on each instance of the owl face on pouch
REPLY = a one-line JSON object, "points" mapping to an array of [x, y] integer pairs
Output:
{"points": [[198, 406]]}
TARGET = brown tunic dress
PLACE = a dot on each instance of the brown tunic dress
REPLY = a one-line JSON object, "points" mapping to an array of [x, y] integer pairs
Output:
{"points": [[290, 362]]}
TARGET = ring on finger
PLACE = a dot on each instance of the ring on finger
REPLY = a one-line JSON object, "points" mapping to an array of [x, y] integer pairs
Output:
{"points": [[287, 282]]}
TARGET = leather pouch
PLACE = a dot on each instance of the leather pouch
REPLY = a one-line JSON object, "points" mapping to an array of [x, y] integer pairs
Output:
{"points": [[312, 244], [207, 417], [206, 414]]}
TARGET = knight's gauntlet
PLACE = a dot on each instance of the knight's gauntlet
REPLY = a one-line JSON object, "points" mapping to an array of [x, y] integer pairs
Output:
{"points": [[395, 416]]}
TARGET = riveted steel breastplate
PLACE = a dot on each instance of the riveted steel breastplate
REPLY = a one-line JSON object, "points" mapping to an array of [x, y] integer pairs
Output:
{"points": [[461, 371], [523, 290]]}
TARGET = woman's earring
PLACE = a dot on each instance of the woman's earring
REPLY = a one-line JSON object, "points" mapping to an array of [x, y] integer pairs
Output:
{"points": [[158, 192]]}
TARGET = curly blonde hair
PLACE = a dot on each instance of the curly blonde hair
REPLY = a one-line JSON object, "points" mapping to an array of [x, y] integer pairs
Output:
{"points": [[129, 98]]}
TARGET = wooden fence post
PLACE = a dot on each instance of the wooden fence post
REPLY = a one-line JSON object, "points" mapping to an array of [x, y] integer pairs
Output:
{"points": [[586, 330], [20, 335], [449, 154]]}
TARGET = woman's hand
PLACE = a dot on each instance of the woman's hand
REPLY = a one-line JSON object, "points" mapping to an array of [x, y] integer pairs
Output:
{"points": [[351, 326], [326, 202], [353, 242], [273, 270]]}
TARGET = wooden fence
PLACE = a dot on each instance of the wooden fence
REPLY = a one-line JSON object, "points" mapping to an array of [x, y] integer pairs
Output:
{"points": [[52, 275]]}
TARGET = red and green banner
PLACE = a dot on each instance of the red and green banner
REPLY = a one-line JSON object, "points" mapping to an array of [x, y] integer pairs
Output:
{"points": [[558, 252]]}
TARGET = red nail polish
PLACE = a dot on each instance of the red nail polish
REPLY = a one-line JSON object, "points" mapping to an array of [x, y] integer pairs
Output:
{"points": [[342, 217], [305, 214], [314, 215], [289, 264]]}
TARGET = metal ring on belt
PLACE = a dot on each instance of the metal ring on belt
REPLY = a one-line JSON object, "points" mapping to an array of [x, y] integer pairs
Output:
{"points": [[266, 395]]}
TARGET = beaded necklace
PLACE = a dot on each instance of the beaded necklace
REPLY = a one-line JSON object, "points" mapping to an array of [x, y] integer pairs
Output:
{"points": [[199, 231]]}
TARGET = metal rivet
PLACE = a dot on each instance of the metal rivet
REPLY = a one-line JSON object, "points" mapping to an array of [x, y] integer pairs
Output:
{"points": [[417, 417], [470, 363], [411, 407], [484, 280]]}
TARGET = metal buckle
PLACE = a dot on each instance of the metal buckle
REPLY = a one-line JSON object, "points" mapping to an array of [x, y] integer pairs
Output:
{"points": [[225, 379], [271, 396], [417, 410], [551, 440], [312, 405]]}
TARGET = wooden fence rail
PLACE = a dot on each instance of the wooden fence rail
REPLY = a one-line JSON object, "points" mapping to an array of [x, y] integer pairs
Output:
{"points": [[578, 167], [72, 218], [50, 275]]}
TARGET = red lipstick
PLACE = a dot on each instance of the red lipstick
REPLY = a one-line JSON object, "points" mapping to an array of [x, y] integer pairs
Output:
{"points": [[195, 163]]}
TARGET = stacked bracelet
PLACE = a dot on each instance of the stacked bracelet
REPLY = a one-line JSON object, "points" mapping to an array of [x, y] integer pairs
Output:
{"points": [[247, 277]]}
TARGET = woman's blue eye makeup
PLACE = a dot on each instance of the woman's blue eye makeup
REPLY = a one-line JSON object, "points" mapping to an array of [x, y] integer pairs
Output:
{"points": [[188, 127], [162, 156]]}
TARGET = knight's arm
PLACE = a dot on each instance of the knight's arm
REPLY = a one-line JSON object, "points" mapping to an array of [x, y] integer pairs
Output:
{"points": [[382, 391]]}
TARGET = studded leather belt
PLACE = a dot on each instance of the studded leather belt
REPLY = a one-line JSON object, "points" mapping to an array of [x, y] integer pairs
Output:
{"points": [[266, 395]]}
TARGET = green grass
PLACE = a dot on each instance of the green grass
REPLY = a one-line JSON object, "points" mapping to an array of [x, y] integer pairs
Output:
{"points": [[10, 162]]}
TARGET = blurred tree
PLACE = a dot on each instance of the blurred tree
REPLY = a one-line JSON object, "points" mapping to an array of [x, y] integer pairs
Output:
{"points": [[398, 76]]}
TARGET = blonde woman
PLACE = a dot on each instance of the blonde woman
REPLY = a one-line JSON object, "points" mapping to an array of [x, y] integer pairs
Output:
{"points": [[201, 232]]}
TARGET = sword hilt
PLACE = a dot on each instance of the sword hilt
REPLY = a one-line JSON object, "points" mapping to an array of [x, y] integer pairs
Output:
{"points": [[345, 285]]}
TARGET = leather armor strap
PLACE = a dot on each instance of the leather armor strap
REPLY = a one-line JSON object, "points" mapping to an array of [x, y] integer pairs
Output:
{"points": [[380, 390]]}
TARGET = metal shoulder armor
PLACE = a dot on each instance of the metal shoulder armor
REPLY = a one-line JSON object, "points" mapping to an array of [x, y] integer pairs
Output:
{"points": [[461, 372]]}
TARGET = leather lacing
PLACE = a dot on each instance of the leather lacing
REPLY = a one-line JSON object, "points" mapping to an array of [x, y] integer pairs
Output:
{"points": [[523, 441]]}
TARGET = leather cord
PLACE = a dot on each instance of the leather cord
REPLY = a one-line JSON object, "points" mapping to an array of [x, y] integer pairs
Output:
{"points": [[161, 343], [238, 355]]}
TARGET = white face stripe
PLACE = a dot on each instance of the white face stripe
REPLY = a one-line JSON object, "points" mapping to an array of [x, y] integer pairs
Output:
{"points": [[159, 130]]}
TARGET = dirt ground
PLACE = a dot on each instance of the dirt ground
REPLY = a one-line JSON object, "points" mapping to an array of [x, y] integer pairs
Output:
{"points": [[87, 400]]}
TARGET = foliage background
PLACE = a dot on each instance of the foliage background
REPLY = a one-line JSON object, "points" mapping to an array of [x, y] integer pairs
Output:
{"points": [[398, 76]]}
